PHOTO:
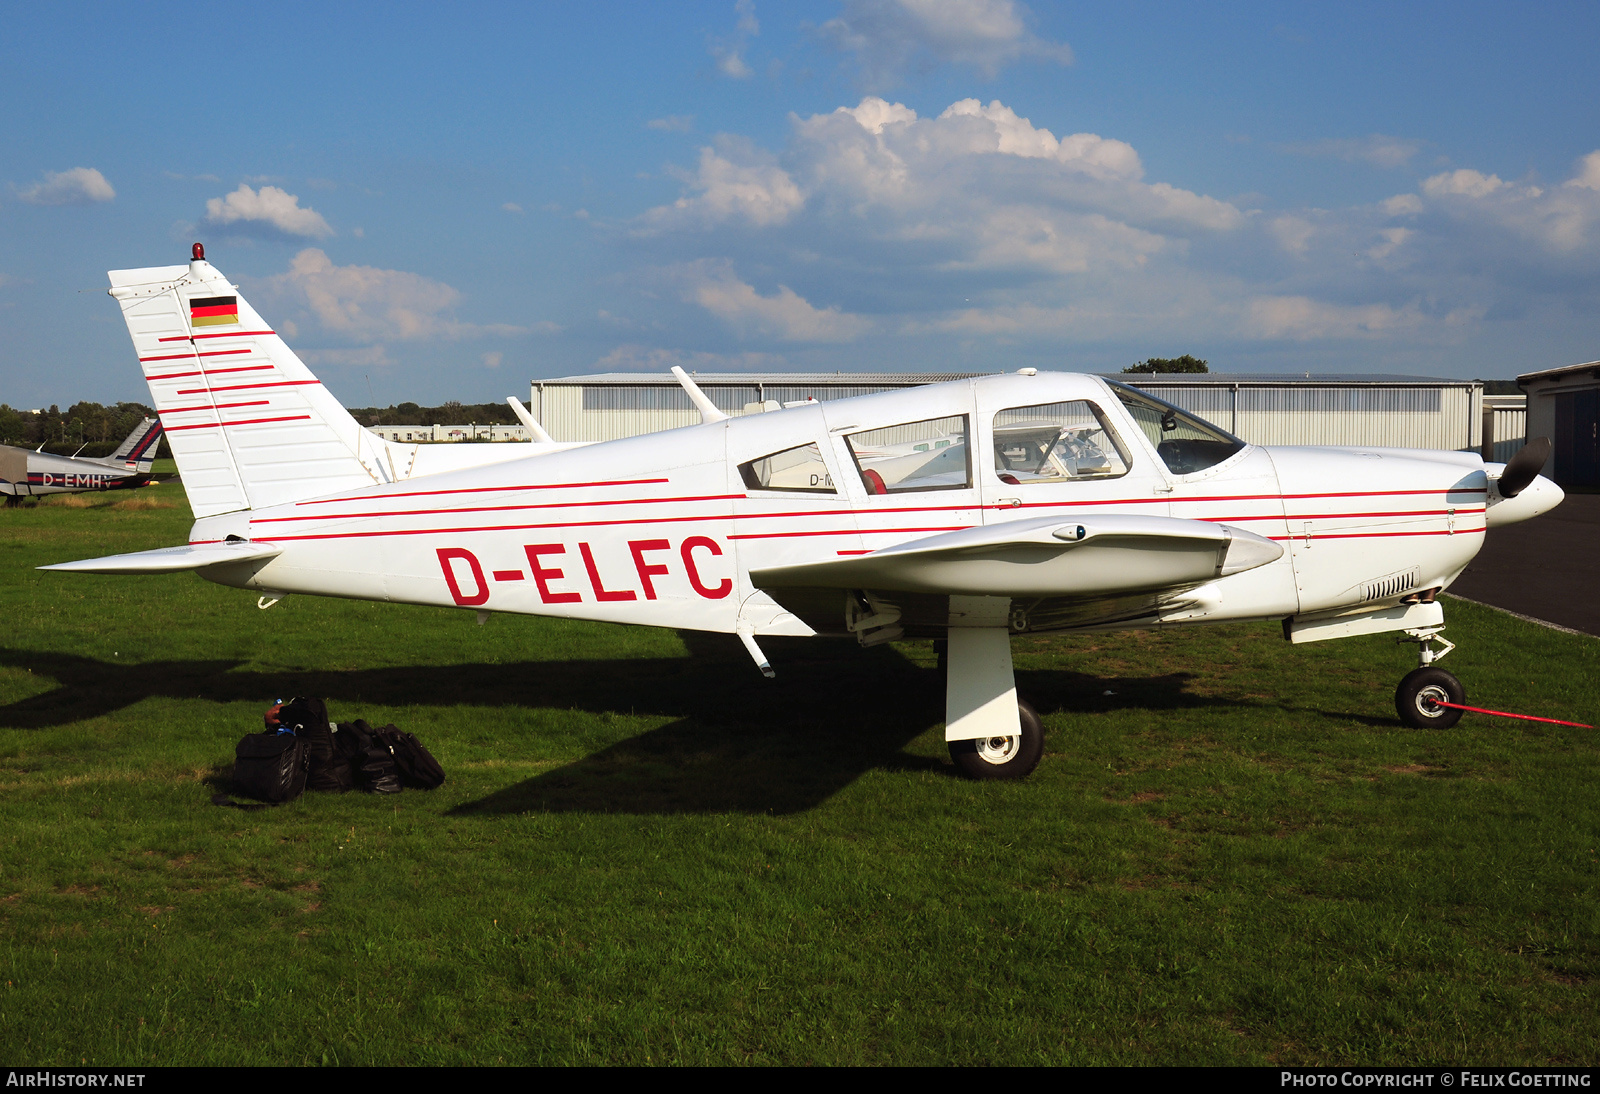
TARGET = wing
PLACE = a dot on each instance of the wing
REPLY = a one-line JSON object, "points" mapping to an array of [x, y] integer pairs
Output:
{"points": [[1072, 571]]}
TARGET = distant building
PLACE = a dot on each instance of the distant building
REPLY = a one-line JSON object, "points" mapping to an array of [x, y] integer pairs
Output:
{"points": [[415, 433], [1564, 405], [1392, 411]]}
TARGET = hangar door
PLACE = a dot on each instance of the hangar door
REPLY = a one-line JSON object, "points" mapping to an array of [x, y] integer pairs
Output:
{"points": [[1578, 438]]}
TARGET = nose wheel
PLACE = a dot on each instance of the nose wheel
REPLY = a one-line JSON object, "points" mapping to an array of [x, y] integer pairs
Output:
{"points": [[1420, 698]]}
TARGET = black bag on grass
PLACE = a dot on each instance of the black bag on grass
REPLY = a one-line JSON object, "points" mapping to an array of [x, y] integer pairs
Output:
{"points": [[270, 766], [328, 769], [417, 766], [371, 758]]}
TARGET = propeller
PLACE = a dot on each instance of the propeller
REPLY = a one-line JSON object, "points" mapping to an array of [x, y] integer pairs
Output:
{"points": [[1524, 467]]}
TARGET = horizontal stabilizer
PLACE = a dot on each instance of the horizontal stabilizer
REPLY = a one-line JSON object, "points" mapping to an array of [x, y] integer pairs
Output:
{"points": [[167, 560], [1044, 557]]}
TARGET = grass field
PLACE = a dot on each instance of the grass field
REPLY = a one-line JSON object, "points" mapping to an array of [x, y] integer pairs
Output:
{"points": [[646, 853]]}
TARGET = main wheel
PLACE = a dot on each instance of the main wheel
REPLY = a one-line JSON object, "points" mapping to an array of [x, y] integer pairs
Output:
{"points": [[1418, 697], [1003, 757]]}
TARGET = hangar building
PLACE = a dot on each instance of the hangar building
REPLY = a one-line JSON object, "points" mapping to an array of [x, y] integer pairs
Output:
{"points": [[1564, 405], [1396, 411]]}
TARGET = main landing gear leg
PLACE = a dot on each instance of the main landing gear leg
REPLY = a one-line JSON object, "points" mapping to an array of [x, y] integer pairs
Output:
{"points": [[990, 732], [1417, 700]]}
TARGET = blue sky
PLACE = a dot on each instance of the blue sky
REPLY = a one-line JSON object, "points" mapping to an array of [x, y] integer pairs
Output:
{"points": [[439, 202]]}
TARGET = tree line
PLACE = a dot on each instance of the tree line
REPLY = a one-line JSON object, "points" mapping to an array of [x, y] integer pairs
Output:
{"points": [[85, 428]]}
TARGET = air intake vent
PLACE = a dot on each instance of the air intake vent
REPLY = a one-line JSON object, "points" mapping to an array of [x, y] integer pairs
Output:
{"points": [[1393, 585]]}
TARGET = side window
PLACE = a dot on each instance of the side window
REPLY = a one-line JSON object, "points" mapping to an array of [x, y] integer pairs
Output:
{"points": [[929, 455], [799, 469], [1186, 444], [1054, 442]]}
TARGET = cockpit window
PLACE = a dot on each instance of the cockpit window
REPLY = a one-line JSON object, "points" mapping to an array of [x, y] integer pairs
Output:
{"points": [[1186, 444], [1053, 442], [799, 469], [927, 455]]}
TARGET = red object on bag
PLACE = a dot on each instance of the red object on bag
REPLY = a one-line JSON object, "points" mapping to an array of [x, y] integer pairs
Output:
{"points": [[271, 716]]}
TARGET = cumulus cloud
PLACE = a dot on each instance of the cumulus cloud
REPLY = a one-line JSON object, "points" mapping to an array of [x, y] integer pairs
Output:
{"points": [[1559, 219], [77, 186], [785, 315], [979, 225], [270, 209], [364, 303], [1377, 149], [889, 36], [738, 183]]}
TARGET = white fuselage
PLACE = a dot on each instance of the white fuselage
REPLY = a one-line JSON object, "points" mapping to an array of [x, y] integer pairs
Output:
{"points": [[660, 529]]}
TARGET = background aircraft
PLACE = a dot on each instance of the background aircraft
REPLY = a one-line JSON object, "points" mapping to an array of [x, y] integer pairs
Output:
{"points": [[29, 474], [966, 512]]}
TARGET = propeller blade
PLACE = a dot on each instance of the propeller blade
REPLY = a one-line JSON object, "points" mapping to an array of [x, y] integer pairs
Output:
{"points": [[1524, 467]]}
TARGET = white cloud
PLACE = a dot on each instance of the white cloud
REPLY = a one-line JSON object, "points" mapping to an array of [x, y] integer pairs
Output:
{"points": [[785, 315], [1472, 184], [1588, 176], [1560, 219], [1302, 318], [756, 191], [980, 226], [889, 36], [364, 303], [493, 358], [512, 207], [729, 51], [672, 123], [1292, 233], [1378, 150], [77, 186], [1392, 238], [269, 208], [1402, 205]]}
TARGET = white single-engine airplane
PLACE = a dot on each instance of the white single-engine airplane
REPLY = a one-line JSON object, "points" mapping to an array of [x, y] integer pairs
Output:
{"points": [[26, 474], [967, 511]]}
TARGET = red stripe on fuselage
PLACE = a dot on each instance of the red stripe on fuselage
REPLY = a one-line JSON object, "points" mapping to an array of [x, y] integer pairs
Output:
{"points": [[490, 489], [500, 508]]}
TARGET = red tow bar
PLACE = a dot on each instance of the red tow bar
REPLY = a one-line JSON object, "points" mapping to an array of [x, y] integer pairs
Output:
{"points": [[1507, 714]]}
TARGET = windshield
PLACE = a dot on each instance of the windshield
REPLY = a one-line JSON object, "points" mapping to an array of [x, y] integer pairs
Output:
{"points": [[1186, 444]]}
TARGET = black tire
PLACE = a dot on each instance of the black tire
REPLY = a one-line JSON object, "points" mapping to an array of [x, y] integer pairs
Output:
{"points": [[1003, 757], [1416, 699]]}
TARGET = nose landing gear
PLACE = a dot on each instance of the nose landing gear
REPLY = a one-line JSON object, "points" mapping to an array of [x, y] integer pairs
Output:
{"points": [[1419, 698]]}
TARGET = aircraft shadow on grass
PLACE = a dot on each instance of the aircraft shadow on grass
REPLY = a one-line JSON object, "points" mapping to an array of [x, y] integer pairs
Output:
{"points": [[740, 743]]}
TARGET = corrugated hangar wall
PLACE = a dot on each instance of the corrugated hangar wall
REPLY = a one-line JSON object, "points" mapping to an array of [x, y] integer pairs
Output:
{"points": [[1409, 412]]}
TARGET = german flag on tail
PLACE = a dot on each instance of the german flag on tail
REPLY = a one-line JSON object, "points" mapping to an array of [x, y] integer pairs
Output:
{"points": [[213, 311]]}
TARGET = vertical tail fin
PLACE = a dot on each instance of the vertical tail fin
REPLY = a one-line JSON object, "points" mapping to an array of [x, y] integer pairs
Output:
{"points": [[248, 423], [138, 451]]}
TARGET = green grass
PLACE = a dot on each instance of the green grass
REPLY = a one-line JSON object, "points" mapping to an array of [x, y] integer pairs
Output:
{"points": [[646, 853]]}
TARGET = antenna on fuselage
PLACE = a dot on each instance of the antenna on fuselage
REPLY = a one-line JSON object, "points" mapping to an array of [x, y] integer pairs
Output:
{"points": [[708, 410], [529, 421]]}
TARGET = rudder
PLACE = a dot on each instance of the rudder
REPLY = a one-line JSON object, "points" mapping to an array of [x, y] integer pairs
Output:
{"points": [[247, 422]]}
